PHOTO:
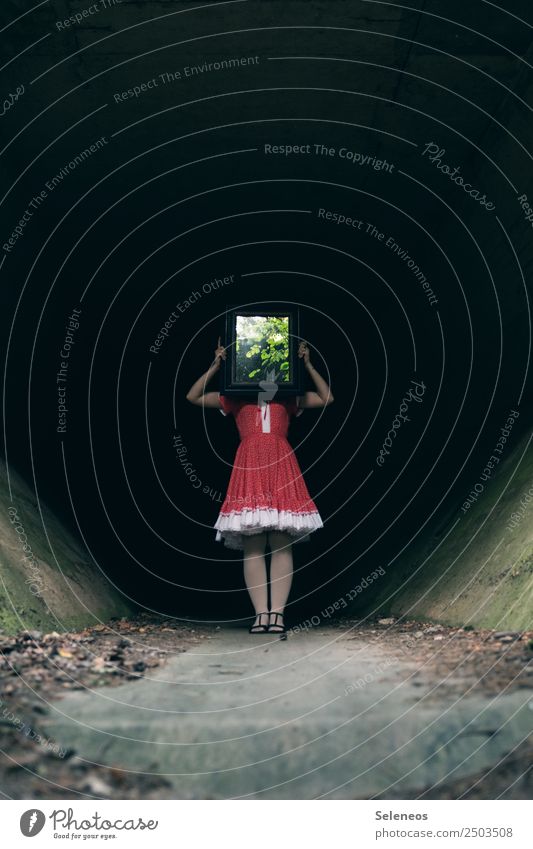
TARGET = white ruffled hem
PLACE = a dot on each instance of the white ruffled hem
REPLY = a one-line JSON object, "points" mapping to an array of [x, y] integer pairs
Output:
{"points": [[231, 527]]}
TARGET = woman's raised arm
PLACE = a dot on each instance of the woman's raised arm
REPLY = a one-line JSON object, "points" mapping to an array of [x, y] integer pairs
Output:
{"points": [[323, 395], [197, 394]]}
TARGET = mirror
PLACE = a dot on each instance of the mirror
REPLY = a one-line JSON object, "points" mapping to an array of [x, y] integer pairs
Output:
{"points": [[261, 340], [262, 349]]}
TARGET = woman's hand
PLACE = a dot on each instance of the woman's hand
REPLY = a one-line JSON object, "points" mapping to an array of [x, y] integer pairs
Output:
{"points": [[303, 353], [220, 354]]}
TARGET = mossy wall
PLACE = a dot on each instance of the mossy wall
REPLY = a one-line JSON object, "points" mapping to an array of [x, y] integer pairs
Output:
{"points": [[477, 569], [47, 582]]}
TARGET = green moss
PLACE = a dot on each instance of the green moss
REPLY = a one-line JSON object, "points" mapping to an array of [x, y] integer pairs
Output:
{"points": [[481, 573], [59, 588]]}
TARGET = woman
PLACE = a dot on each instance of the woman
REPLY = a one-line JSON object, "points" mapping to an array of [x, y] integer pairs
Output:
{"points": [[267, 499]]}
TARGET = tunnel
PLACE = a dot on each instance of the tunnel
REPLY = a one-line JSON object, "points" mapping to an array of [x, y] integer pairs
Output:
{"points": [[369, 163]]}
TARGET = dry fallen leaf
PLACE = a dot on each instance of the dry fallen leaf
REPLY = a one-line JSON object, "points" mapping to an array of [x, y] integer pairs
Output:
{"points": [[64, 653], [94, 784]]}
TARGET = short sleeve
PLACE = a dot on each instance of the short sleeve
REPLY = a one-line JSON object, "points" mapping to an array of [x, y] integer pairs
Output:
{"points": [[227, 405]]}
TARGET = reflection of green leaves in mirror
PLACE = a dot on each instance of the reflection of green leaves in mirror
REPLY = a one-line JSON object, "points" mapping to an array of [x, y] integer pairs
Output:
{"points": [[261, 345]]}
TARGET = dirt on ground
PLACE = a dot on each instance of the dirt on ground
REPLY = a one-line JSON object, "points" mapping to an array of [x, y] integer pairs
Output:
{"points": [[453, 661], [448, 663], [35, 668]]}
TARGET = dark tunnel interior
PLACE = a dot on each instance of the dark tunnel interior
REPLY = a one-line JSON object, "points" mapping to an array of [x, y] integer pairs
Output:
{"points": [[331, 188]]}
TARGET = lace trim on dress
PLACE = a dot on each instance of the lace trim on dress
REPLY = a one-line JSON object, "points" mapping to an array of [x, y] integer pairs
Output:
{"points": [[231, 526]]}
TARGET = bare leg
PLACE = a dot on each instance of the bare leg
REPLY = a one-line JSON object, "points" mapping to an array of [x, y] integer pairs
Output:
{"points": [[281, 571], [255, 574]]}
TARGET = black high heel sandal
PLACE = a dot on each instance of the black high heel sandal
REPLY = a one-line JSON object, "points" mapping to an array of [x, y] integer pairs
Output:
{"points": [[275, 627], [258, 628]]}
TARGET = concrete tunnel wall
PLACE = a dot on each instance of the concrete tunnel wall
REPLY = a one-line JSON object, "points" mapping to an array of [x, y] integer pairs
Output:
{"points": [[456, 567], [476, 567], [47, 580]]}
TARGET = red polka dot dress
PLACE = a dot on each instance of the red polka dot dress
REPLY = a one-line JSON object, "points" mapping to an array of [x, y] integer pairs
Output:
{"points": [[266, 490]]}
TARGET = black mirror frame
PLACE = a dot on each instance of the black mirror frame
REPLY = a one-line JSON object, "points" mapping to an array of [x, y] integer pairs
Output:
{"points": [[232, 388]]}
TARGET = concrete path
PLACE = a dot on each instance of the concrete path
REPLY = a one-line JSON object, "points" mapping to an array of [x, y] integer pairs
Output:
{"points": [[317, 715]]}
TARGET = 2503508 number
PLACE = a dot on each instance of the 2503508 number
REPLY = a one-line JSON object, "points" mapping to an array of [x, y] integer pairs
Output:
{"points": [[488, 831]]}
